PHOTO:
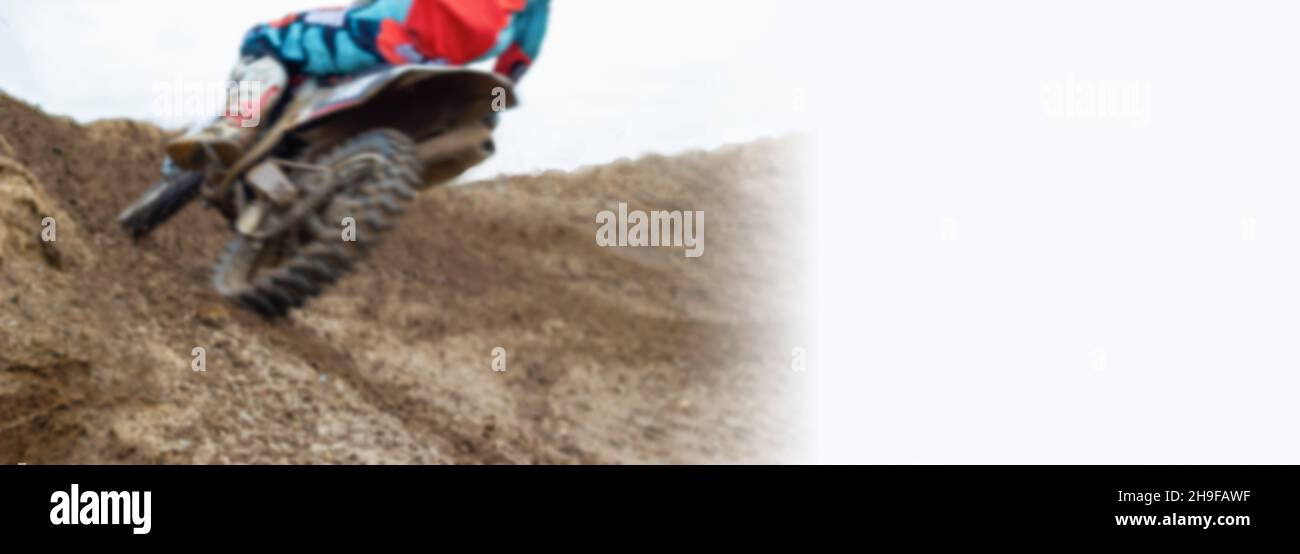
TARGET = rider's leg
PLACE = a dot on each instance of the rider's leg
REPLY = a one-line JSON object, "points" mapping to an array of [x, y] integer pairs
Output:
{"points": [[256, 85], [323, 42]]}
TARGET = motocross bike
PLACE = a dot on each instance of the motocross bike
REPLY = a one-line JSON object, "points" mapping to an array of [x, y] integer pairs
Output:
{"points": [[349, 153]]}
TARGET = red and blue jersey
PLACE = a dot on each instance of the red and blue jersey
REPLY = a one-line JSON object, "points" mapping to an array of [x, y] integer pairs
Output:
{"points": [[340, 41]]}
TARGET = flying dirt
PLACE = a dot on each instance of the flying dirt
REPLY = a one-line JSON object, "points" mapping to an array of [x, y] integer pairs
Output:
{"points": [[490, 327]]}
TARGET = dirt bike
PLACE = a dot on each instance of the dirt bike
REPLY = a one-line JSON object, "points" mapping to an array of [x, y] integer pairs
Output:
{"points": [[350, 153]]}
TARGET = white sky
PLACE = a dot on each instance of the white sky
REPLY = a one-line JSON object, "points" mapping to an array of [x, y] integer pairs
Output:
{"points": [[616, 78]]}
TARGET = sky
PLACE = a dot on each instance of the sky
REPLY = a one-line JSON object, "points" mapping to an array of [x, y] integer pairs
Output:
{"points": [[615, 78]]}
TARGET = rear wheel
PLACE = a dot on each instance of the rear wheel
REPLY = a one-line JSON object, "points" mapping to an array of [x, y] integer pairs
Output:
{"points": [[378, 172]]}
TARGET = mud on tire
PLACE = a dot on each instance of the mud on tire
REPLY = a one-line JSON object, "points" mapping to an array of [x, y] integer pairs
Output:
{"points": [[380, 170]]}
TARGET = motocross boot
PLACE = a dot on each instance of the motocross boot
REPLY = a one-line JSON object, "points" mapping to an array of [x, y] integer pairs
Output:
{"points": [[256, 85]]}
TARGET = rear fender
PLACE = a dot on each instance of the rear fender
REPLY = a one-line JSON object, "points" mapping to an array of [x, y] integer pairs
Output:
{"points": [[419, 100]]}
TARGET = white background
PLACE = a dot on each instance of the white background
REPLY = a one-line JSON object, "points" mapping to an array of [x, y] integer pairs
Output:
{"points": [[1073, 237], [1101, 299]]}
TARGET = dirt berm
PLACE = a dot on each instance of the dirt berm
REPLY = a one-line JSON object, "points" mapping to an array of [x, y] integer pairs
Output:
{"points": [[613, 355]]}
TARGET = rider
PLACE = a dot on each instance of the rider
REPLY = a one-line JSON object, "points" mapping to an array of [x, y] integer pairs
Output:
{"points": [[332, 42]]}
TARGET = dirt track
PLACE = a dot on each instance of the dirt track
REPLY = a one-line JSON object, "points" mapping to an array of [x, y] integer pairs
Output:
{"points": [[613, 355]]}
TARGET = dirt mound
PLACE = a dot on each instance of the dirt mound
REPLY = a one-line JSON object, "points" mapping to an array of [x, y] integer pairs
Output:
{"points": [[625, 355]]}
